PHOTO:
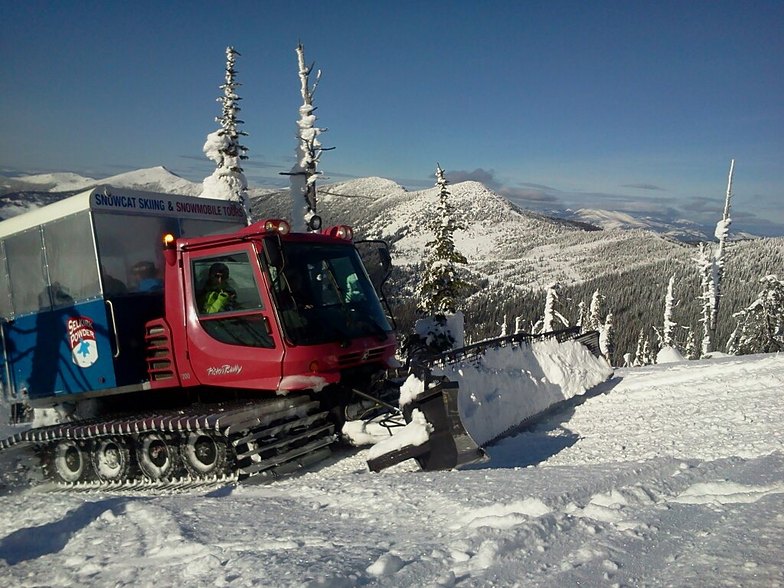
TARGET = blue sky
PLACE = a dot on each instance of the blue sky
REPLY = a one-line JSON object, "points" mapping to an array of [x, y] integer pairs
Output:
{"points": [[632, 106]]}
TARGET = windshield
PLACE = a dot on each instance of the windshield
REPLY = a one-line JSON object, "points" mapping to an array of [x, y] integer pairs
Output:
{"points": [[323, 294]]}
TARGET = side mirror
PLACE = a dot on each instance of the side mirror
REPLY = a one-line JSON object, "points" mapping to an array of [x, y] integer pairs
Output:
{"points": [[386, 258]]}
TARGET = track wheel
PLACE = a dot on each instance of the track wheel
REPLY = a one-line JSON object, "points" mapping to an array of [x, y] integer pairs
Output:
{"points": [[156, 455], [70, 461], [202, 454], [111, 459]]}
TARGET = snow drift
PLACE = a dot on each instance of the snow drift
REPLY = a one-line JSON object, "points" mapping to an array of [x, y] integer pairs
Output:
{"points": [[509, 386]]}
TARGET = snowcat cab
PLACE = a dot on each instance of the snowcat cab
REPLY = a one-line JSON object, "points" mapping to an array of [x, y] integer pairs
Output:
{"points": [[301, 312]]}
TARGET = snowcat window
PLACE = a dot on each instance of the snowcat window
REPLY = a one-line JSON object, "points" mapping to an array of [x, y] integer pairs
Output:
{"points": [[226, 294], [29, 289], [70, 257], [324, 295], [6, 310], [125, 242]]}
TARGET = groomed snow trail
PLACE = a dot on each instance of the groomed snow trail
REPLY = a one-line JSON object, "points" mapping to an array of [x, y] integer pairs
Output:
{"points": [[667, 476]]}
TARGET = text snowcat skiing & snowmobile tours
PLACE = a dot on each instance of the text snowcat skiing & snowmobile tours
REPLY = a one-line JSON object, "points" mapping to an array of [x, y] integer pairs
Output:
{"points": [[180, 346]]}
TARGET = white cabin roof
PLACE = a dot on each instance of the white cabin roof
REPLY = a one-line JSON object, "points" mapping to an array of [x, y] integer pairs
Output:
{"points": [[124, 201]]}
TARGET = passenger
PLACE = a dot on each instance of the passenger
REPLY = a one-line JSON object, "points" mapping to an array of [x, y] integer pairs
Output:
{"points": [[353, 291], [146, 277], [218, 295]]}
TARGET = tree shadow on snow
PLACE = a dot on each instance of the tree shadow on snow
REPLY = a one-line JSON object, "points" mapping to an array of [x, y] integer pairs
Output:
{"points": [[34, 542], [540, 437]]}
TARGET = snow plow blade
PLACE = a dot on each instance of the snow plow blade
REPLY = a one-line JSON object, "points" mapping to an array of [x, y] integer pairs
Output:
{"points": [[449, 445]]}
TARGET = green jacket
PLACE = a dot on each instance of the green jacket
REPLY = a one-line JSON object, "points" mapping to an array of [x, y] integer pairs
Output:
{"points": [[217, 301]]}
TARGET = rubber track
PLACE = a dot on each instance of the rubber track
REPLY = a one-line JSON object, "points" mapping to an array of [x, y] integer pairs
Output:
{"points": [[286, 429]]}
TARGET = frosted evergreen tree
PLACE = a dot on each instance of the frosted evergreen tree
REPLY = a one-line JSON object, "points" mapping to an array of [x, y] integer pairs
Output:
{"points": [[223, 146], [690, 347], [644, 354], [761, 324], [582, 315], [607, 338], [638, 352], [441, 284], [668, 332], [648, 353], [551, 314], [705, 265], [596, 311], [503, 326], [518, 328], [309, 150]]}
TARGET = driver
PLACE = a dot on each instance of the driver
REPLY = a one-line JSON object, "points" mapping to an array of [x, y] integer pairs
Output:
{"points": [[218, 296]]}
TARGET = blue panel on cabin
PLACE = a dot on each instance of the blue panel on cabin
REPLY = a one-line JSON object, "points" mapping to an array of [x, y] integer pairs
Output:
{"points": [[61, 352]]}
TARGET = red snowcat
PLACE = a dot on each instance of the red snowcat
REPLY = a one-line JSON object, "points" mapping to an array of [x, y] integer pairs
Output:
{"points": [[178, 345]]}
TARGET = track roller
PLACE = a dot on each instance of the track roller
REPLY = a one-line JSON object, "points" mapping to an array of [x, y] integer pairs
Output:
{"points": [[111, 459], [157, 455], [70, 461], [202, 454]]}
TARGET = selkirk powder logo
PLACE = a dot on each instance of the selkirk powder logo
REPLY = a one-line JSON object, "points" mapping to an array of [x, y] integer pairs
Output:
{"points": [[84, 347]]}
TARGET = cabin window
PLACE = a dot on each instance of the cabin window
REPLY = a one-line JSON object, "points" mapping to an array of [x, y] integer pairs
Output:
{"points": [[29, 289], [228, 302], [70, 259], [131, 252]]}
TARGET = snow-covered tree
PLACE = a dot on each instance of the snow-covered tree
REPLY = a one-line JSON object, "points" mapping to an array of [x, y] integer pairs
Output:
{"points": [[309, 150], [668, 332], [503, 326], [596, 311], [690, 347], [441, 283], [761, 324], [223, 146], [551, 314], [644, 354], [607, 338], [582, 315], [639, 358], [518, 328]]}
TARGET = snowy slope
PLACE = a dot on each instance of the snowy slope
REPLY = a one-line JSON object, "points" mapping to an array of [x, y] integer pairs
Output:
{"points": [[502, 242], [55, 182], [154, 179], [668, 476]]}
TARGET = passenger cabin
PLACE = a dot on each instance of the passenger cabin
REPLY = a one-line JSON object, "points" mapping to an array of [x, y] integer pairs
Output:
{"points": [[78, 280]]}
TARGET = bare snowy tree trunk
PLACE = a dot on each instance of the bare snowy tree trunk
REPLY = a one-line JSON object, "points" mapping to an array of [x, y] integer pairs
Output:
{"points": [[722, 232], [304, 173]]}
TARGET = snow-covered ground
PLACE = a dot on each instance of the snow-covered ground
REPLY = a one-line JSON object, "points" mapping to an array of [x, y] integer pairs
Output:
{"points": [[668, 475]]}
